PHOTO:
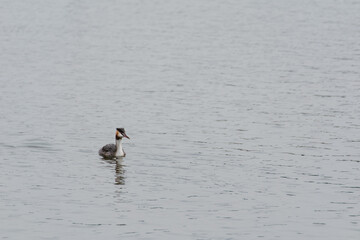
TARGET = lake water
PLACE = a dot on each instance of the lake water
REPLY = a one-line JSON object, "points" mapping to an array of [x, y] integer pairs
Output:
{"points": [[244, 119]]}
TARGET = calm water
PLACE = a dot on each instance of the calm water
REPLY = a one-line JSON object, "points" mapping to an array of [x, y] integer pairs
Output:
{"points": [[244, 119]]}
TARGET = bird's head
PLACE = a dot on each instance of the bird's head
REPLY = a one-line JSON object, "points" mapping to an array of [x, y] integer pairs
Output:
{"points": [[120, 133]]}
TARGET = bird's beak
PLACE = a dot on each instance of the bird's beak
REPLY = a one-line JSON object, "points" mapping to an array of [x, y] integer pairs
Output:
{"points": [[124, 134]]}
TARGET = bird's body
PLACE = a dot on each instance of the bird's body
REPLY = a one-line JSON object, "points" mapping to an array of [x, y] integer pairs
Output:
{"points": [[109, 151], [114, 150]]}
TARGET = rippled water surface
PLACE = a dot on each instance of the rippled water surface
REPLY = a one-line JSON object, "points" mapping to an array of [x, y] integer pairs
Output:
{"points": [[244, 119]]}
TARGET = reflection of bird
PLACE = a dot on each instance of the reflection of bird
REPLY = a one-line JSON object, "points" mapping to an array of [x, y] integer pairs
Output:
{"points": [[119, 170], [112, 150], [119, 176]]}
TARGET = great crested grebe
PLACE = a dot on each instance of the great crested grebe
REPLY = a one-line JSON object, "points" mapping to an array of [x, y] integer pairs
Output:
{"points": [[112, 150]]}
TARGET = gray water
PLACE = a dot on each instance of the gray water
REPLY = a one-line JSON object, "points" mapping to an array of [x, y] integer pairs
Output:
{"points": [[244, 119]]}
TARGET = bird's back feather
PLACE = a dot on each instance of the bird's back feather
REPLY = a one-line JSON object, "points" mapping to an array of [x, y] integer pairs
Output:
{"points": [[108, 151]]}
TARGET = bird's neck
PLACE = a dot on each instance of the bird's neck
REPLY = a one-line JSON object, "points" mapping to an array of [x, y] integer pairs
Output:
{"points": [[119, 149]]}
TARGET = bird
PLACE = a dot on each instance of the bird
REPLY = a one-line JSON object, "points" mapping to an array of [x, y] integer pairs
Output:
{"points": [[110, 151]]}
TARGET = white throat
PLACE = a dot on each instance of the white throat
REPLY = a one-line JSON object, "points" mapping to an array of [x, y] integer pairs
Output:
{"points": [[119, 150]]}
